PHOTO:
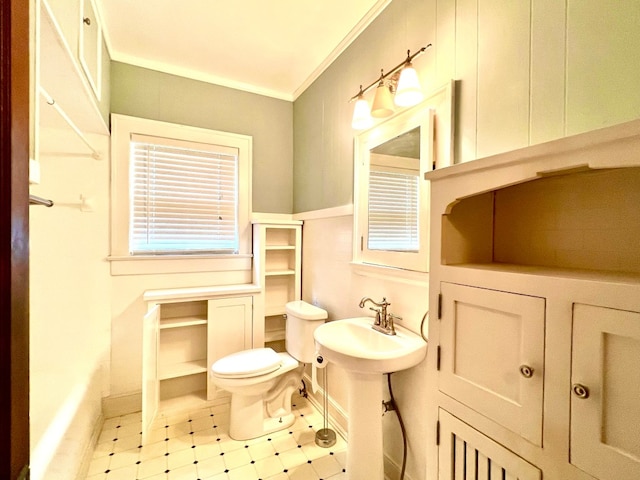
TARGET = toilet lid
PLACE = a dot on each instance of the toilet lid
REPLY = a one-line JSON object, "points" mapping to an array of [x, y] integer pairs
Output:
{"points": [[247, 363]]}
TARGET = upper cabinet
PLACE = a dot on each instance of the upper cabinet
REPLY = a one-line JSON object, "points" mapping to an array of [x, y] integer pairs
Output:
{"points": [[71, 71]]}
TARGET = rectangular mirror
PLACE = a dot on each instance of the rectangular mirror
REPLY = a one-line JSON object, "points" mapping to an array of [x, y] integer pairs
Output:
{"points": [[391, 197]]}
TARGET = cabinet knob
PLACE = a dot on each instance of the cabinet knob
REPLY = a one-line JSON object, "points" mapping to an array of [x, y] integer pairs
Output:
{"points": [[526, 371], [580, 391], [86, 21]]}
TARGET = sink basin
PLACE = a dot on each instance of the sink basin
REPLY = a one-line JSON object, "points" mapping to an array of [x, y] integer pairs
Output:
{"points": [[365, 355], [353, 345]]}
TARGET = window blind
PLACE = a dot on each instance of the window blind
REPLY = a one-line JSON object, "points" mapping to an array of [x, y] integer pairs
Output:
{"points": [[393, 211], [184, 197]]}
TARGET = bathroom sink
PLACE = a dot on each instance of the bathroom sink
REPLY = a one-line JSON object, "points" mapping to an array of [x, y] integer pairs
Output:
{"points": [[353, 345]]}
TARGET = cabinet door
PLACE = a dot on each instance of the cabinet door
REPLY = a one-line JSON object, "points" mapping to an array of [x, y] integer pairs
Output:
{"points": [[150, 380], [492, 355], [466, 454], [229, 330], [605, 400]]}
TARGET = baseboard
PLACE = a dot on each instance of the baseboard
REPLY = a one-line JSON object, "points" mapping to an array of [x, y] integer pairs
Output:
{"points": [[117, 405]]}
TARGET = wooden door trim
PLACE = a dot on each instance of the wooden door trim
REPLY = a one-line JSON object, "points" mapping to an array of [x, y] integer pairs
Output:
{"points": [[14, 237]]}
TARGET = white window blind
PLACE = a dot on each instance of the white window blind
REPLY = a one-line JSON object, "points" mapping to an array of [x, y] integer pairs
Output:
{"points": [[393, 211], [184, 197]]}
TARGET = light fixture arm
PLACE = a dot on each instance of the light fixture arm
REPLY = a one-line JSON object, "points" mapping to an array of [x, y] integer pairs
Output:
{"points": [[382, 77]]}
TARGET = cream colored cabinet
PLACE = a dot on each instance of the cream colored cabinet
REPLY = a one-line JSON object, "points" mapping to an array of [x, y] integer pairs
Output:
{"points": [[605, 401], [536, 276], [277, 251], [466, 454], [492, 355], [181, 339]]}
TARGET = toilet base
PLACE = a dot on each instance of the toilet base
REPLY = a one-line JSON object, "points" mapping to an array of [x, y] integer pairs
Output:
{"points": [[247, 419]]}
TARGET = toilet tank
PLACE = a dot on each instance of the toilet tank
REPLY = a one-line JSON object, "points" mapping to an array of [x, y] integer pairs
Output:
{"points": [[302, 320]]}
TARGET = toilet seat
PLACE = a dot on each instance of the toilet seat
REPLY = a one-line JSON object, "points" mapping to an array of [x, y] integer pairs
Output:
{"points": [[247, 363]]}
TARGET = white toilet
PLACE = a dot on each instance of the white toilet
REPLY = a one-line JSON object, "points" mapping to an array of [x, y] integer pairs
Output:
{"points": [[262, 381]]}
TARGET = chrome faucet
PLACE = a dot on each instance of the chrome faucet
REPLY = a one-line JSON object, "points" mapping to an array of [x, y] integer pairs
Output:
{"points": [[384, 321]]}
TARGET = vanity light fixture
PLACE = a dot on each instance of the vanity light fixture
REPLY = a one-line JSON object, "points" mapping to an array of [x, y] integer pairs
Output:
{"points": [[361, 113], [383, 100], [401, 80]]}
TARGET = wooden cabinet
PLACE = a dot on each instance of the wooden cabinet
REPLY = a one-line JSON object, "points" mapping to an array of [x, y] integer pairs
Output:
{"points": [[277, 251], [536, 271], [492, 355], [605, 383], [466, 454], [182, 337]]}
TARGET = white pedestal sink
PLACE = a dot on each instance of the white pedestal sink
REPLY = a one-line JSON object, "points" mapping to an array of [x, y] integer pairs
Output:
{"points": [[366, 355]]}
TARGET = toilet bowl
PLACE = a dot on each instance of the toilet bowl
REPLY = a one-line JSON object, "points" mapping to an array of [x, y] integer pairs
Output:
{"points": [[261, 381]]}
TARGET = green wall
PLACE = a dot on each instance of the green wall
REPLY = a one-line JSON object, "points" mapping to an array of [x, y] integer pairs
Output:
{"points": [[526, 71], [145, 93]]}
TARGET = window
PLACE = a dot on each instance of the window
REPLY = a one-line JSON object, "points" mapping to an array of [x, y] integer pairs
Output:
{"points": [[184, 197], [178, 191]]}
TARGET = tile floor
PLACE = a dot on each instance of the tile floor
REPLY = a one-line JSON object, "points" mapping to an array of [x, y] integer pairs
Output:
{"points": [[196, 446]]}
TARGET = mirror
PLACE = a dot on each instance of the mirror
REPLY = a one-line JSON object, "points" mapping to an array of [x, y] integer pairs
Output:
{"points": [[391, 196]]}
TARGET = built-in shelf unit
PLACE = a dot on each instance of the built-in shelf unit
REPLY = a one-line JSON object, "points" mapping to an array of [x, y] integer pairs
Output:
{"points": [[185, 331], [277, 263]]}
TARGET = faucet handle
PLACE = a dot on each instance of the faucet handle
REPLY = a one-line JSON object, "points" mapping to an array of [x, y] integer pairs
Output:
{"points": [[378, 315]]}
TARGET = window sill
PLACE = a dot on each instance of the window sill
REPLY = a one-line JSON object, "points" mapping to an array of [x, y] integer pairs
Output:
{"points": [[150, 265], [389, 273]]}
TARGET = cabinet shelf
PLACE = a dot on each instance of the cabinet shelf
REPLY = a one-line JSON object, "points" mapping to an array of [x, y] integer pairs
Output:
{"points": [[553, 272], [182, 322], [182, 369], [277, 273], [274, 335], [280, 247], [186, 401], [271, 311]]}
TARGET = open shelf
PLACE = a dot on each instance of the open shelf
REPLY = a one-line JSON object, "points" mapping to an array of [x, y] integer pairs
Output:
{"points": [[182, 322], [275, 273], [566, 224], [182, 369]]}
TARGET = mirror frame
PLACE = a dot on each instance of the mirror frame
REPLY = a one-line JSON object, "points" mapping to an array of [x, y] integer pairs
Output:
{"points": [[434, 116]]}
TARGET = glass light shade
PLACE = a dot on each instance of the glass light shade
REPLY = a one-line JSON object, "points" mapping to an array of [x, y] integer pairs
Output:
{"points": [[382, 102], [409, 91], [361, 115]]}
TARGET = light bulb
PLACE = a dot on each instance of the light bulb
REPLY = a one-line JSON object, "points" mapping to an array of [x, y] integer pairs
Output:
{"points": [[382, 102], [409, 91], [361, 115]]}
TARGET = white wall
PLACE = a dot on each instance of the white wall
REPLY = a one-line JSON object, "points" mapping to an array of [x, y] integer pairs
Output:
{"points": [[329, 282], [69, 300]]}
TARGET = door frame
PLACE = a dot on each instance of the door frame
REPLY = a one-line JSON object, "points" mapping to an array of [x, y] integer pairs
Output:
{"points": [[14, 238]]}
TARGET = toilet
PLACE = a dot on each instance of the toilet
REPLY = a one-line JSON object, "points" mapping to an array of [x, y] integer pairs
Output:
{"points": [[261, 381]]}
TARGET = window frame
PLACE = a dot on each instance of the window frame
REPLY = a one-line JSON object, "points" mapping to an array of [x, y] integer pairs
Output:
{"points": [[122, 127]]}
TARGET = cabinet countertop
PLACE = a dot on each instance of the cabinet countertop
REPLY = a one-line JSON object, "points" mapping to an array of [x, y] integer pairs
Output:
{"points": [[199, 293]]}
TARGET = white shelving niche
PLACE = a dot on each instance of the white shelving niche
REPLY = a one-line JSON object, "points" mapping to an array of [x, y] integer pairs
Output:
{"points": [[277, 264], [535, 345]]}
